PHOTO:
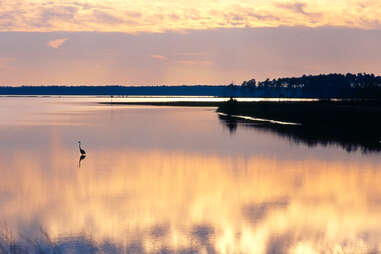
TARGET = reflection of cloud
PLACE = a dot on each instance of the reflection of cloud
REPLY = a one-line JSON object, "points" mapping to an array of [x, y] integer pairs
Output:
{"points": [[57, 43], [135, 248], [160, 231], [203, 233], [279, 244], [258, 211], [171, 205]]}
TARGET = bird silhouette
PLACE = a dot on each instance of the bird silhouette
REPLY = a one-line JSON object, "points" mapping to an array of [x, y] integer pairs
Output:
{"points": [[80, 148]]}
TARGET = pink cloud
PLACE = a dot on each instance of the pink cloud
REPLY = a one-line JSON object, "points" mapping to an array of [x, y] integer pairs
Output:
{"points": [[7, 59], [194, 62], [5, 62], [160, 57], [57, 43]]}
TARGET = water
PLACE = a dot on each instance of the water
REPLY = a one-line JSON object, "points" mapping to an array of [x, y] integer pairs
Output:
{"points": [[175, 180]]}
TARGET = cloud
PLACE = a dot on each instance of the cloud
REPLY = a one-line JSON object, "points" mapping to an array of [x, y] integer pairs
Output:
{"points": [[133, 14], [263, 17], [234, 54], [105, 17], [298, 8], [195, 62], [57, 43], [184, 59], [160, 57], [168, 15], [6, 62]]}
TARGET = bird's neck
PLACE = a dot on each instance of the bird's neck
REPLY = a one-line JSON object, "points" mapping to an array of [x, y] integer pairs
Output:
{"points": [[79, 145]]}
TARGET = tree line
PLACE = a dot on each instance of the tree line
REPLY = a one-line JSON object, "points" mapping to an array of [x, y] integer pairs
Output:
{"points": [[361, 85]]}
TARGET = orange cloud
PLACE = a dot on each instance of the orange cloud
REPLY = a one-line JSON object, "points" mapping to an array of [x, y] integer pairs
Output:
{"points": [[161, 16], [57, 43]]}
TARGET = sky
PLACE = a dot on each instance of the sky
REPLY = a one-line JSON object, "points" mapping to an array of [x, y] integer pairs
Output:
{"points": [[136, 42]]}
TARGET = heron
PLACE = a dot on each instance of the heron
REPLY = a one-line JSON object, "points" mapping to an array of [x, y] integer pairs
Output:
{"points": [[80, 148]]}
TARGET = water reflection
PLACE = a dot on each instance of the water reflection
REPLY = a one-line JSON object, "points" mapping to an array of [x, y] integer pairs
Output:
{"points": [[81, 159], [158, 200], [307, 136], [173, 181]]}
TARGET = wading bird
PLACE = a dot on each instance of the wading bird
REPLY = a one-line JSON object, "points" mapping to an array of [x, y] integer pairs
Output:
{"points": [[80, 148]]}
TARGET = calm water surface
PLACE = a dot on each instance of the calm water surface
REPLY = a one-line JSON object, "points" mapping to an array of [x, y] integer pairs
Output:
{"points": [[176, 180]]}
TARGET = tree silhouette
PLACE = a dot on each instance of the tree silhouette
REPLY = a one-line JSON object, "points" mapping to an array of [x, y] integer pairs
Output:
{"points": [[361, 85]]}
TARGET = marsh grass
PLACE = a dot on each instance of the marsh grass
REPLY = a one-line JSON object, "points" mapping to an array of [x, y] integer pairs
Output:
{"points": [[44, 244]]}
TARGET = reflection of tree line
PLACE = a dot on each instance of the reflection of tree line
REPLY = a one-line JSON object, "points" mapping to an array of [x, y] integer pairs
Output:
{"points": [[360, 85], [310, 136]]}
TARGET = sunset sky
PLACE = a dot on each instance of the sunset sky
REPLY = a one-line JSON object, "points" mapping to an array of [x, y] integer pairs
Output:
{"points": [[138, 42]]}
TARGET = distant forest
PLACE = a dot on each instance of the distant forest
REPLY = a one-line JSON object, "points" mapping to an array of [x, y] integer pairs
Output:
{"points": [[117, 90], [360, 85]]}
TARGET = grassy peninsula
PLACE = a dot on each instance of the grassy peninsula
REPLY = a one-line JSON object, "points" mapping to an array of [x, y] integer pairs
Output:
{"points": [[350, 124], [324, 113]]}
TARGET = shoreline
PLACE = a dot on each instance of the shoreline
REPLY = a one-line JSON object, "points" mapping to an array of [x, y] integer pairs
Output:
{"points": [[324, 114], [350, 124], [173, 103], [316, 113]]}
